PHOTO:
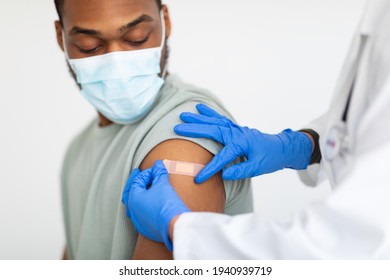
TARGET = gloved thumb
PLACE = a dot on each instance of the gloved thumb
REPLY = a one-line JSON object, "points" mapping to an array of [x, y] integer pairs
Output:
{"points": [[159, 172]]}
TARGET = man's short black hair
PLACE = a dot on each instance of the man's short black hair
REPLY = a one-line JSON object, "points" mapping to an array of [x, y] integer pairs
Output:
{"points": [[60, 4]]}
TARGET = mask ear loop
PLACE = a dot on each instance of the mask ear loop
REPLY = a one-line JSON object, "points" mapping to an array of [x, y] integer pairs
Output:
{"points": [[64, 44]]}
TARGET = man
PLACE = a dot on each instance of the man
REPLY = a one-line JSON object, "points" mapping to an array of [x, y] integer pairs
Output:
{"points": [[353, 223], [117, 51]]}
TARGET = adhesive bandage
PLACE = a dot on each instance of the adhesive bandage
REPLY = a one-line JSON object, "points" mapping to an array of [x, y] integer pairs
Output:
{"points": [[183, 168]]}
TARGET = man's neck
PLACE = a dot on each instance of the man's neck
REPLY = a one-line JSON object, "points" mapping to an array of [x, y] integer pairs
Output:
{"points": [[103, 121]]}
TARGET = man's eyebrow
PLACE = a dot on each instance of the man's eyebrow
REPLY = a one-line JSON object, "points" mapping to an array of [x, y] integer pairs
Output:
{"points": [[140, 19], [79, 30]]}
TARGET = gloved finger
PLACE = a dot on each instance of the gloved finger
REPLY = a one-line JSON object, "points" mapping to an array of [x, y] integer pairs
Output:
{"points": [[188, 117], [239, 171], [159, 168], [202, 131], [125, 194], [226, 156], [142, 180], [207, 111]]}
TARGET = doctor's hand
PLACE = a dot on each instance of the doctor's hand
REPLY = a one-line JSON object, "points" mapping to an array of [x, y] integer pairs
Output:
{"points": [[265, 153], [153, 208]]}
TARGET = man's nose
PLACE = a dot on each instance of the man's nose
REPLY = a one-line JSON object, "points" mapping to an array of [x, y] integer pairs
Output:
{"points": [[115, 46]]}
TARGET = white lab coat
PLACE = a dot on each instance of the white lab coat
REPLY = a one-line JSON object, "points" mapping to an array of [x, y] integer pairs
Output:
{"points": [[354, 222]]}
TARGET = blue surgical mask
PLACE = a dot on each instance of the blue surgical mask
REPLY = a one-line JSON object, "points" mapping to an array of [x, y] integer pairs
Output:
{"points": [[122, 86]]}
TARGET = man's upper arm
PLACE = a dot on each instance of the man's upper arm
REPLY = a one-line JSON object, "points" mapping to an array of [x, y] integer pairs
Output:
{"points": [[207, 197]]}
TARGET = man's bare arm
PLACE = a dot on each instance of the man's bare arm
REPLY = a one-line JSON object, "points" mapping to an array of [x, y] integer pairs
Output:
{"points": [[207, 197]]}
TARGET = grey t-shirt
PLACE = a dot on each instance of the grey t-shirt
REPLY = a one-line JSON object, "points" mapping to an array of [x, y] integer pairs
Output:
{"points": [[98, 163]]}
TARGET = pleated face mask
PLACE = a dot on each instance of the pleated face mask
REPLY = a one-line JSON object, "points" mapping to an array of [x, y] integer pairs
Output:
{"points": [[122, 86]]}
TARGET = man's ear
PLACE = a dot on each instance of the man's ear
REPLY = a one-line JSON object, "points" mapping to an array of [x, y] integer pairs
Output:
{"points": [[60, 39], [167, 20]]}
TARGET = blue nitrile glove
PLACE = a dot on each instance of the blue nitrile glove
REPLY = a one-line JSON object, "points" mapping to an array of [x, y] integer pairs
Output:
{"points": [[265, 153], [152, 209]]}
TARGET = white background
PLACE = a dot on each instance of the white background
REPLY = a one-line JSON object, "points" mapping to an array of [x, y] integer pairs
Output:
{"points": [[274, 63]]}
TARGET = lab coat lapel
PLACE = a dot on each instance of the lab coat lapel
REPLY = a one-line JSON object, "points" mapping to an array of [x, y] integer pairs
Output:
{"points": [[336, 163]]}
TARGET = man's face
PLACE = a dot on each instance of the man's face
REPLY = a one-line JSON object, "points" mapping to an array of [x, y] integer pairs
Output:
{"points": [[97, 27]]}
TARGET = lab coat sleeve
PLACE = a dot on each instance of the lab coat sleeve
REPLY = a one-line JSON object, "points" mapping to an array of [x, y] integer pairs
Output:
{"points": [[314, 174], [353, 223]]}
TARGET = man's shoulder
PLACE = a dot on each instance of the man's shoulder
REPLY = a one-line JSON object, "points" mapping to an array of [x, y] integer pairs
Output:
{"points": [[175, 85], [178, 96]]}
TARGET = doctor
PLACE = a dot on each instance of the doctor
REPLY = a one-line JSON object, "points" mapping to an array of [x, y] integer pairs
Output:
{"points": [[353, 223]]}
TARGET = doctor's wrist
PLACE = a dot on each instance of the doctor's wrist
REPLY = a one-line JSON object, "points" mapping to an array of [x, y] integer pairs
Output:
{"points": [[171, 227], [311, 139], [316, 156]]}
